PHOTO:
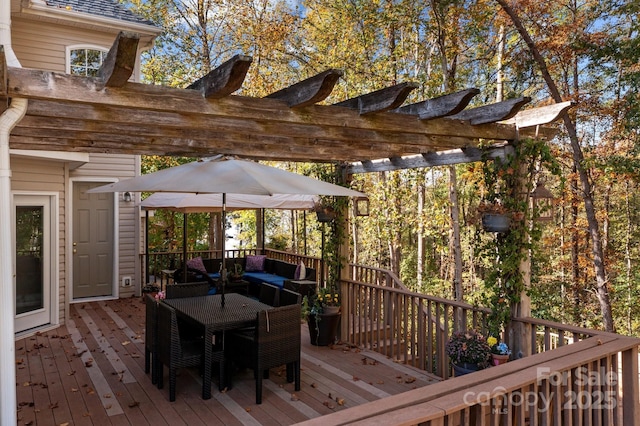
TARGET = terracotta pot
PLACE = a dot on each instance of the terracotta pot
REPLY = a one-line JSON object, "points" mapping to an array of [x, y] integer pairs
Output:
{"points": [[497, 359], [323, 330]]}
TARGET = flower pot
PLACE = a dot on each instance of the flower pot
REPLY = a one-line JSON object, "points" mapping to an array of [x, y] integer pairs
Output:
{"points": [[497, 359], [464, 368], [330, 309], [323, 328], [495, 222]]}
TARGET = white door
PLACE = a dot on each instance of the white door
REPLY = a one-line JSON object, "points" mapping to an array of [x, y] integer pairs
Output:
{"points": [[34, 252]]}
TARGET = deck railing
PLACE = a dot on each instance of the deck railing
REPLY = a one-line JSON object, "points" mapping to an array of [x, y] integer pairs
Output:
{"points": [[591, 382], [408, 327]]}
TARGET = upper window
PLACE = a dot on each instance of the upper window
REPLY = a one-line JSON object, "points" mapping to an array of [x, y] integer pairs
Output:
{"points": [[86, 61]]}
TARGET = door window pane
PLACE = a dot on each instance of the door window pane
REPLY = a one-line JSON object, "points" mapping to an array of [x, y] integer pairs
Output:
{"points": [[29, 257]]}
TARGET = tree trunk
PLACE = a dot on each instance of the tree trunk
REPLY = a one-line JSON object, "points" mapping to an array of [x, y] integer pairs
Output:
{"points": [[602, 290]]}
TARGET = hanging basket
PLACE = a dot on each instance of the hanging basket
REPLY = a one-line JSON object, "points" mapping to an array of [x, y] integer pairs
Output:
{"points": [[495, 222]]}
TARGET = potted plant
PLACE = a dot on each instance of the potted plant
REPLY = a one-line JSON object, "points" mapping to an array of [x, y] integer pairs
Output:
{"points": [[468, 351], [500, 351], [494, 216], [322, 312]]}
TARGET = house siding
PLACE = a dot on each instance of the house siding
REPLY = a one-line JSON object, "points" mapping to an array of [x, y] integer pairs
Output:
{"points": [[42, 44]]}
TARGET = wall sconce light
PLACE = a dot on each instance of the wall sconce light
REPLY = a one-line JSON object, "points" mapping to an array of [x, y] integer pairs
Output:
{"points": [[127, 197], [542, 203], [361, 206]]}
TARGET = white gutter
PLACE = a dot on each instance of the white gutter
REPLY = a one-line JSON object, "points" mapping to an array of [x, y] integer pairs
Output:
{"points": [[8, 119]]}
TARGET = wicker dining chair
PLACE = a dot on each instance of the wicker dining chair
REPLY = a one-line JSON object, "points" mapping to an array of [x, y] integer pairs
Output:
{"points": [[174, 352], [288, 297], [269, 294], [193, 289], [275, 342], [151, 338]]}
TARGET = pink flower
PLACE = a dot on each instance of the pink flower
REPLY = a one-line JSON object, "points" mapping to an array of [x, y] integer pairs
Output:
{"points": [[160, 295]]}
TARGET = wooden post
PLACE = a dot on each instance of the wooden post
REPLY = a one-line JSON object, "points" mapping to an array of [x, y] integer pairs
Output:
{"points": [[519, 332]]}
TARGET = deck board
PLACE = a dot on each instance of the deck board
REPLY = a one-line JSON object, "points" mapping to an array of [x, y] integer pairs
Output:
{"points": [[91, 372]]}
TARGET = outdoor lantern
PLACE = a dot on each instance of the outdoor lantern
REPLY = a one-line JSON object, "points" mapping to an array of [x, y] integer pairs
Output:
{"points": [[126, 197], [542, 200], [361, 206]]}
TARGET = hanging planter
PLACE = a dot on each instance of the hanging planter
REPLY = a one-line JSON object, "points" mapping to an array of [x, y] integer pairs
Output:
{"points": [[496, 222]]}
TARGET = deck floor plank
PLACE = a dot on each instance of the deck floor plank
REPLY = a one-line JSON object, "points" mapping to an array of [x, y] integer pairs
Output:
{"points": [[110, 334]]}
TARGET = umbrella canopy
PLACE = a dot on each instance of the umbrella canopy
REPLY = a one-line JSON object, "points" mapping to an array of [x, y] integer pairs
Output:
{"points": [[223, 175], [187, 202]]}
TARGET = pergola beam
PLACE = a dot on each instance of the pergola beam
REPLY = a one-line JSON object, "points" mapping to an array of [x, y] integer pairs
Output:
{"points": [[493, 112], [381, 100], [310, 91], [118, 65], [431, 159], [441, 106], [225, 79]]}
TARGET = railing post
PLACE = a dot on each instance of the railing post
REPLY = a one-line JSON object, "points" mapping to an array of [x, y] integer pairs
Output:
{"points": [[630, 406]]}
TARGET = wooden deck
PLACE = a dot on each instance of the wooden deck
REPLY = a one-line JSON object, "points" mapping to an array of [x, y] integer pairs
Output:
{"points": [[91, 372]]}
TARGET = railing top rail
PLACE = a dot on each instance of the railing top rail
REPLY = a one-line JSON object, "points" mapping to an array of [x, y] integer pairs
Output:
{"points": [[435, 299], [416, 406], [287, 253], [564, 327]]}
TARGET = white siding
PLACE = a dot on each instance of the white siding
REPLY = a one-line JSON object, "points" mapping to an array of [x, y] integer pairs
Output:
{"points": [[41, 45]]}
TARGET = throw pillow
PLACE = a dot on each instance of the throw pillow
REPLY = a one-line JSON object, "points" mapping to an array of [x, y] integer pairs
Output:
{"points": [[301, 272], [196, 263], [255, 263]]}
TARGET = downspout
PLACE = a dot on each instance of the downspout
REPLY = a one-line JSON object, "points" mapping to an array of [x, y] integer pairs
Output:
{"points": [[8, 119]]}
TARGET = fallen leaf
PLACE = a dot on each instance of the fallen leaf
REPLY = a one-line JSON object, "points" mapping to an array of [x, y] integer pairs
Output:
{"points": [[340, 401], [313, 385], [248, 410], [134, 404], [355, 379], [126, 342], [294, 397], [74, 389], [53, 405], [410, 380]]}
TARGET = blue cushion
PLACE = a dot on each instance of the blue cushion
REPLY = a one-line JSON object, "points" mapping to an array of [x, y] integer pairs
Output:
{"points": [[212, 290], [263, 277], [215, 276]]}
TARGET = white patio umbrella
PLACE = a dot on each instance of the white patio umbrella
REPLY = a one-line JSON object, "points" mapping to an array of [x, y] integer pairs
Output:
{"points": [[224, 175]]}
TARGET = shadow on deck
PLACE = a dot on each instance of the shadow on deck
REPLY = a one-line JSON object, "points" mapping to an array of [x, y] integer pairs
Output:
{"points": [[91, 372]]}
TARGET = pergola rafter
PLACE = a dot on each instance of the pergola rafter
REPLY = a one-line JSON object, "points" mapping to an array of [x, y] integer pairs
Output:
{"points": [[109, 114]]}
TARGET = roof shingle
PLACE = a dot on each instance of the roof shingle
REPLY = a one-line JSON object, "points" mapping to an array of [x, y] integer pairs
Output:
{"points": [[106, 8]]}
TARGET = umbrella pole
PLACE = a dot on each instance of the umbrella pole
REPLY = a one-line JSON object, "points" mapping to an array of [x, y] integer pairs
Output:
{"points": [[184, 247], [223, 273]]}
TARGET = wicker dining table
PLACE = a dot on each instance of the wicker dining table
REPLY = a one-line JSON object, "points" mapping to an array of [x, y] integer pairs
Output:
{"points": [[239, 311]]}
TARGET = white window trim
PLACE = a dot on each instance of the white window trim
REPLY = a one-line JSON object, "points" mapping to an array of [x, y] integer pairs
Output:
{"points": [[67, 65]]}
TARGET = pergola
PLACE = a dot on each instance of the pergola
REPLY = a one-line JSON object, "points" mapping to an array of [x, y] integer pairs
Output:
{"points": [[372, 132]]}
